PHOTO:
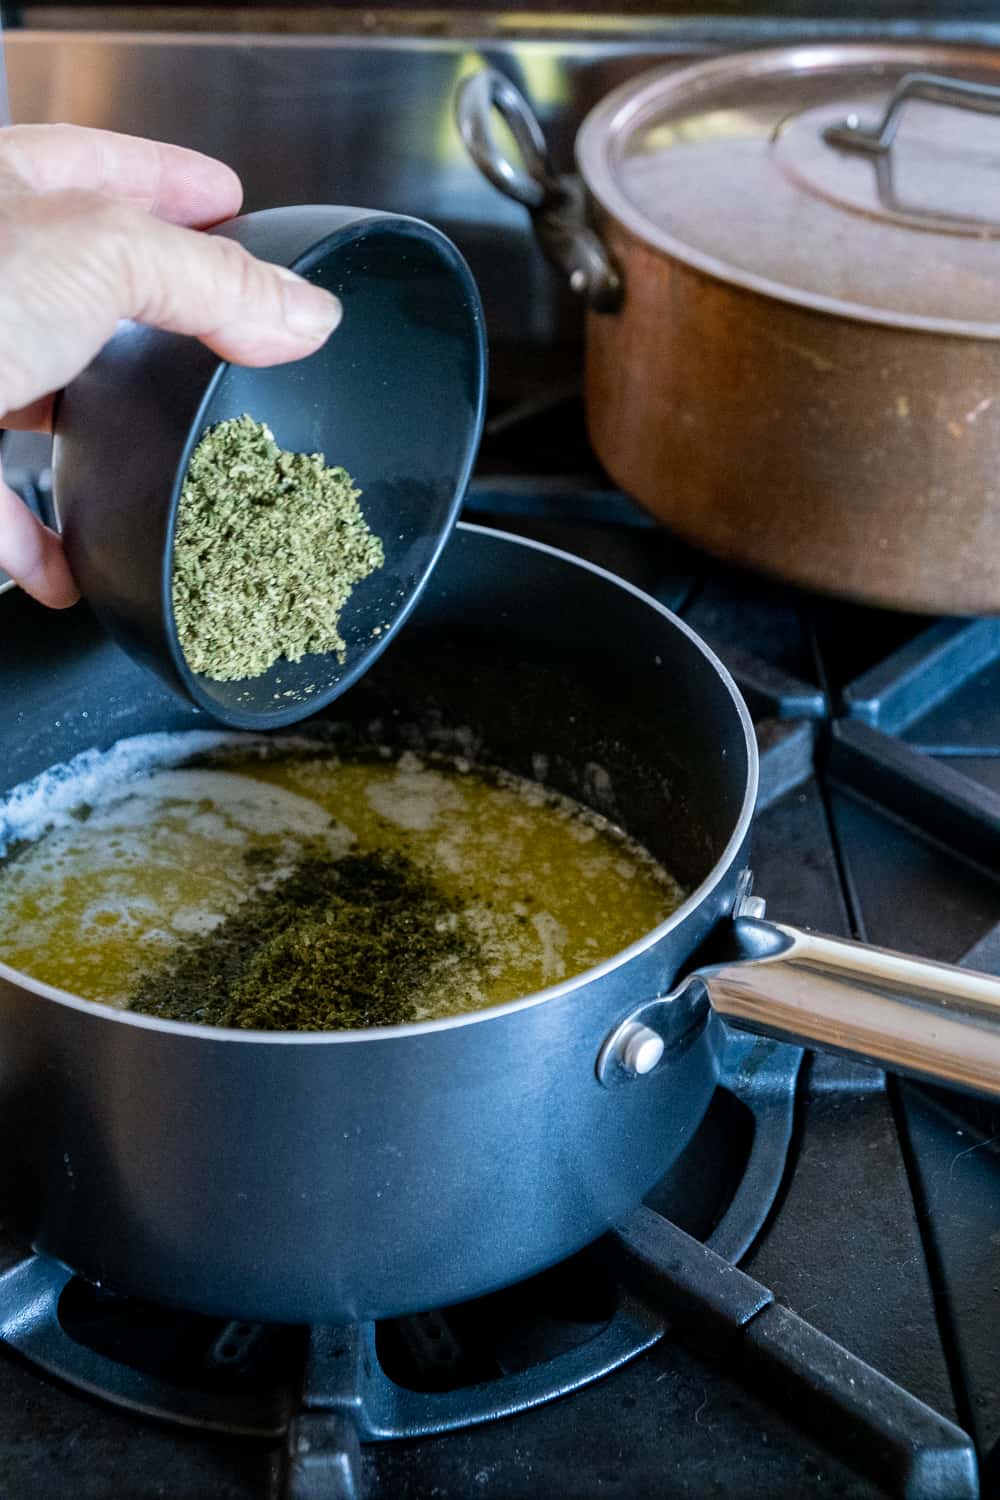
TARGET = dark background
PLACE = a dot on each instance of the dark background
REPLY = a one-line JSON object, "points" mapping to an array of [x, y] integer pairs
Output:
{"points": [[445, 15]]}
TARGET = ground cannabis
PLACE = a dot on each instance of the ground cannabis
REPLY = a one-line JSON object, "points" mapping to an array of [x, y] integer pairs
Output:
{"points": [[341, 942], [267, 549]]}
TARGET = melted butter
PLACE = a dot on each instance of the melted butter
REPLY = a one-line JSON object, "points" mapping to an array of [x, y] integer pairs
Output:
{"points": [[549, 888]]}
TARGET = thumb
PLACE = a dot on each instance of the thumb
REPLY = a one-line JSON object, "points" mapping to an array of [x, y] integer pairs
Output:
{"points": [[32, 554], [247, 310], [76, 263]]}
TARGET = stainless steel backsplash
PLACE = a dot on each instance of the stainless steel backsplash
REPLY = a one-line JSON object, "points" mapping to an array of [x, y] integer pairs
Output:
{"points": [[369, 122], [335, 121]]}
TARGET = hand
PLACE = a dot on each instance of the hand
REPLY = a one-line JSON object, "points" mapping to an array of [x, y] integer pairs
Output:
{"points": [[96, 227]]}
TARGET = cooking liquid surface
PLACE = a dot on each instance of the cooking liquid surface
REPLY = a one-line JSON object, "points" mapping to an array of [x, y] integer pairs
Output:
{"points": [[103, 898]]}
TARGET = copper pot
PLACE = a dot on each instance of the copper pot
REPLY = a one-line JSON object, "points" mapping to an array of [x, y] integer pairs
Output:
{"points": [[791, 264]]}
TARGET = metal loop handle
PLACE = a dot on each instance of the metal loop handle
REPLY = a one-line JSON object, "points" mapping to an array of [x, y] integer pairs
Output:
{"points": [[534, 185], [558, 205], [933, 88]]}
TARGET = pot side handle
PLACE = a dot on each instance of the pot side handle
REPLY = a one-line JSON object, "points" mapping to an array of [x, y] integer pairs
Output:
{"points": [[910, 1015], [557, 204]]}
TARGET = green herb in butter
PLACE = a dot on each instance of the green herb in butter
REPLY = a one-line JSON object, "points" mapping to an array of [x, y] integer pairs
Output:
{"points": [[339, 943]]}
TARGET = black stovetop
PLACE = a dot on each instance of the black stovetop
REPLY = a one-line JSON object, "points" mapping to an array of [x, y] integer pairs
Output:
{"points": [[860, 1337]]}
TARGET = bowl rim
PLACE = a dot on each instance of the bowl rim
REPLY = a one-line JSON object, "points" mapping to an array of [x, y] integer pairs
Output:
{"points": [[367, 224]]}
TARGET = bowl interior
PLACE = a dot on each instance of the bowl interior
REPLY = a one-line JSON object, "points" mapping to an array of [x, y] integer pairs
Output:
{"points": [[394, 397]]}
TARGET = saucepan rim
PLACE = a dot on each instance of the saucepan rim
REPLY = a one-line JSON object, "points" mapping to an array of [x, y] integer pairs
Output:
{"points": [[698, 897]]}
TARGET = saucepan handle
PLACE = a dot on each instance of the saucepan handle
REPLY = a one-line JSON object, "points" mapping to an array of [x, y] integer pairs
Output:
{"points": [[907, 1014], [557, 204], [931, 1020]]}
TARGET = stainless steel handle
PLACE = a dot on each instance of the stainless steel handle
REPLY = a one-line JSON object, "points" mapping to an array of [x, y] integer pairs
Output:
{"points": [[534, 184], [934, 88], [557, 204], [907, 1014]]}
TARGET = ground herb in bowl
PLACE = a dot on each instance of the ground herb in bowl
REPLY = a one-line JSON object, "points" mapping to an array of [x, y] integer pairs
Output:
{"points": [[268, 548]]}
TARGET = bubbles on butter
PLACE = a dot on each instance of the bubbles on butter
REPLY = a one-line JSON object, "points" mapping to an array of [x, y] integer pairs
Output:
{"points": [[50, 799], [415, 797], [220, 806], [140, 852], [93, 778]]}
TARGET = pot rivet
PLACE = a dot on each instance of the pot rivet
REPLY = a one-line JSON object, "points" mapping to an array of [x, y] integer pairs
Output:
{"points": [[640, 1049]]}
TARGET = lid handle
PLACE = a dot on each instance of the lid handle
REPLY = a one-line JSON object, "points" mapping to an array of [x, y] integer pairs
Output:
{"points": [[557, 204], [958, 93]]}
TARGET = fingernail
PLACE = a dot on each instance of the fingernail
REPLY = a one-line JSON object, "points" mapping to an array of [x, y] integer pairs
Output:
{"points": [[308, 309]]}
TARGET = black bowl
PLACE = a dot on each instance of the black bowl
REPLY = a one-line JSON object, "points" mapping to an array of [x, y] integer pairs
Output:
{"points": [[395, 396]]}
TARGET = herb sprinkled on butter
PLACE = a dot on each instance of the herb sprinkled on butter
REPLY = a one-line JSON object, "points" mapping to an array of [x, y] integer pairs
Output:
{"points": [[341, 942]]}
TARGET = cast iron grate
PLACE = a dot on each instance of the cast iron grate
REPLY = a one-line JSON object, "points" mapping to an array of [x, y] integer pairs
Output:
{"points": [[915, 763], [902, 718]]}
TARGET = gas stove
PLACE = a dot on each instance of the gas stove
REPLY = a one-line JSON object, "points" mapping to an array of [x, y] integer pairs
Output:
{"points": [[809, 1302]]}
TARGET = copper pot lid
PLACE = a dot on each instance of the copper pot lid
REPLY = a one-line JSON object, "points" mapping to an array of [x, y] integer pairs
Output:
{"points": [[750, 168]]}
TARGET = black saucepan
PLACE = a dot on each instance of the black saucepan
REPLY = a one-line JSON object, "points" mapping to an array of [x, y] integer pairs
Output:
{"points": [[322, 1178]]}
